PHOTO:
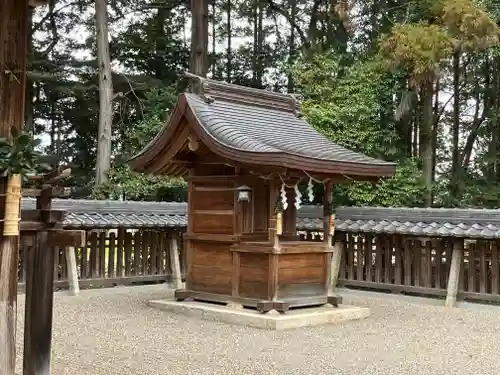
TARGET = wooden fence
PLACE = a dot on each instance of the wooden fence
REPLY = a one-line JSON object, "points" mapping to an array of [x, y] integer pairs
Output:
{"points": [[116, 257], [419, 266], [377, 262]]}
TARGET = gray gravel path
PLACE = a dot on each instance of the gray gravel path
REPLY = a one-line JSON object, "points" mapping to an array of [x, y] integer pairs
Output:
{"points": [[113, 331]]}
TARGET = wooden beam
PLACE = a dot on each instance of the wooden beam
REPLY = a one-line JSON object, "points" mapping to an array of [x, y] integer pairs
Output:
{"points": [[45, 216], [56, 192], [64, 238]]}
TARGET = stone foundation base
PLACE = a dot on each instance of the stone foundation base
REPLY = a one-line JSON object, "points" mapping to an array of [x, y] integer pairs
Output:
{"points": [[300, 317]]}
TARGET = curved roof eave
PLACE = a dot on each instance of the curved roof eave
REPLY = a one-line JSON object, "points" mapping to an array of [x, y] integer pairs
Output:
{"points": [[279, 159]]}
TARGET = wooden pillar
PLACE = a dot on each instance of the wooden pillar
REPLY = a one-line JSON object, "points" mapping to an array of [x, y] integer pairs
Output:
{"points": [[335, 265], [290, 217], [38, 309], [454, 276], [333, 256], [74, 288], [273, 236], [39, 299], [13, 61]]}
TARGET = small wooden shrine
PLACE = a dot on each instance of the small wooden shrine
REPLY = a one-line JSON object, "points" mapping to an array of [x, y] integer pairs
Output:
{"points": [[244, 151]]}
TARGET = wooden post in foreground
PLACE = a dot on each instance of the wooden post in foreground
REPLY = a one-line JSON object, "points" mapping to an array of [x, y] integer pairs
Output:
{"points": [[13, 63], [38, 311], [454, 277], [40, 286]]}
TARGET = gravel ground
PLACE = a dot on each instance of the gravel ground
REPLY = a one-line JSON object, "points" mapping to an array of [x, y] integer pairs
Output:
{"points": [[113, 331]]}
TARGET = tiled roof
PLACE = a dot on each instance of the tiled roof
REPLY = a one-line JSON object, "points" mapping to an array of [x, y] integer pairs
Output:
{"points": [[250, 126], [113, 214], [422, 222]]}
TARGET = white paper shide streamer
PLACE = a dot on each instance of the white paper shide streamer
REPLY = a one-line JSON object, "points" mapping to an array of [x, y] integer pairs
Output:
{"points": [[310, 191], [298, 196], [283, 197]]}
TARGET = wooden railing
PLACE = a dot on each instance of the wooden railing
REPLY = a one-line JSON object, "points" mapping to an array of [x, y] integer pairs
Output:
{"points": [[419, 266], [116, 257], [377, 262]]}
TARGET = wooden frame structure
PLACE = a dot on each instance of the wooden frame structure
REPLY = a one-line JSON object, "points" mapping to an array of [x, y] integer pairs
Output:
{"points": [[42, 225], [238, 147]]}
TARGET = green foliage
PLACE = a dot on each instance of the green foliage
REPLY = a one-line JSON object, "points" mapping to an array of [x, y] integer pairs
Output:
{"points": [[19, 156], [129, 185], [418, 48], [136, 186], [347, 109], [403, 190]]}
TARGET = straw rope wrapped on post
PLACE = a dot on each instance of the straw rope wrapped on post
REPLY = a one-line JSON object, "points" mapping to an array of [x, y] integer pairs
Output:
{"points": [[12, 216]]}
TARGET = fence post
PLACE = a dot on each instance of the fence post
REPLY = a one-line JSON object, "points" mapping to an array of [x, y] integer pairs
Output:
{"points": [[175, 262], [336, 258], [74, 288], [454, 276]]}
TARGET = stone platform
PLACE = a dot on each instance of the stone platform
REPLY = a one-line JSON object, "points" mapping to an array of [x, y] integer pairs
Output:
{"points": [[302, 317]]}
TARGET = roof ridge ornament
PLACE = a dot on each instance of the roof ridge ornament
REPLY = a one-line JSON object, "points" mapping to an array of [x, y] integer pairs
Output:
{"points": [[210, 90]]}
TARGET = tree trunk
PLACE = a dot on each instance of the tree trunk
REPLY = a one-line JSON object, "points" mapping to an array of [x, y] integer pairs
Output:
{"points": [[455, 163], [426, 151], [292, 48], [199, 37], [13, 62], [229, 67], [103, 160]]}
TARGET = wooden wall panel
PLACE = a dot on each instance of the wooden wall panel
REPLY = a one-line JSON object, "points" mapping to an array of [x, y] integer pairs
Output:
{"points": [[260, 207], [254, 272], [213, 199], [211, 269], [301, 268], [213, 223]]}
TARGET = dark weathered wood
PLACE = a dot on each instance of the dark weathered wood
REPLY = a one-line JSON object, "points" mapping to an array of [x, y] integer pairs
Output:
{"points": [[368, 257], [439, 263], [94, 255], [84, 262], [387, 244], [398, 288], [408, 247], [8, 301], [428, 265], [120, 270], [111, 255], [38, 310], [236, 274], [483, 267], [137, 253], [417, 263], [102, 254], [62, 238], [359, 258], [471, 287], [494, 268], [378, 259], [396, 245], [128, 253], [146, 235]]}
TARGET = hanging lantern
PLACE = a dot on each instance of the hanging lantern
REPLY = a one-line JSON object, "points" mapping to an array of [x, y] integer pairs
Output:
{"points": [[243, 193]]}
